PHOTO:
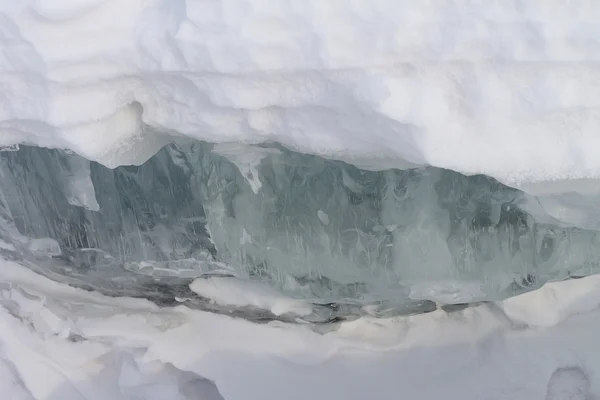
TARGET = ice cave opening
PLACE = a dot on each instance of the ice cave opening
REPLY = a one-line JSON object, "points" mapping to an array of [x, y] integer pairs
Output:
{"points": [[346, 240]]}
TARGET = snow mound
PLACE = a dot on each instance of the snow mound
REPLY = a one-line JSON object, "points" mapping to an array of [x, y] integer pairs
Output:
{"points": [[58, 342], [509, 89], [554, 302], [235, 292]]}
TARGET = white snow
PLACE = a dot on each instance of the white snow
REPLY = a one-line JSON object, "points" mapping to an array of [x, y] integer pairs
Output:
{"points": [[45, 246], [554, 302], [510, 88], [235, 292], [58, 342]]}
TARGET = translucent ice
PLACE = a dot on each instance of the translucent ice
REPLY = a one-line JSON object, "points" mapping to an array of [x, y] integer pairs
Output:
{"points": [[78, 184], [45, 246], [310, 227]]}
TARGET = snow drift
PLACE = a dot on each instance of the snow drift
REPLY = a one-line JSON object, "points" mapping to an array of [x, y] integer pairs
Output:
{"points": [[507, 89], [61, 343]]}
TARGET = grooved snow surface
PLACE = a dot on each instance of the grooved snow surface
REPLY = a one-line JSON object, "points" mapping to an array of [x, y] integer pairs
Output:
{"points": [[509, 88], [61, 343]]}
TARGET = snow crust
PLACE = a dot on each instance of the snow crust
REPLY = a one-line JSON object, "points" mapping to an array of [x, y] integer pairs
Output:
{"points": [[509, 89], [58, 342]]}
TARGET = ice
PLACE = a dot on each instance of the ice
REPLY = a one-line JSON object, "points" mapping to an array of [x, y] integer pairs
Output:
{"points": [[143, 213], [79, 188], [447, 292], [45, 246], [315, 229], [184, 268], [323, 217], [247, 160]]}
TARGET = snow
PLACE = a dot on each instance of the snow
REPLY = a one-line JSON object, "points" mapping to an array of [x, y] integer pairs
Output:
{"points": [[234, 292], [447, 292], [507, 88], [554, 302], [58, 342]]}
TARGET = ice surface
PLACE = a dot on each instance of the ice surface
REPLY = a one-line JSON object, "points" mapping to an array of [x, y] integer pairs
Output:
{"points": [[146, 212], [311, 228], [79, 188], [508, 89]]}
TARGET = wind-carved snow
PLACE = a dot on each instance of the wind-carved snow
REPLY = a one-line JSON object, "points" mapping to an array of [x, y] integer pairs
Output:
{"points": [[62, 343], [507, 89]]}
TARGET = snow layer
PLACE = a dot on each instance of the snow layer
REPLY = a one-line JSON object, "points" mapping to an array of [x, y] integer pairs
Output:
{"points": [[235, 292], [58, 342], [510, 88]]}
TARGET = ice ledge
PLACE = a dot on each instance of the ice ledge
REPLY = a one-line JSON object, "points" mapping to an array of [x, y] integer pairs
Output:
{"points": [[507, 89]]}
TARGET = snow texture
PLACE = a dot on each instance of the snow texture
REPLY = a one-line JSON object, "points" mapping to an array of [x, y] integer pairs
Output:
{"points": [[234, 292], [509, 89], [58, 342]]}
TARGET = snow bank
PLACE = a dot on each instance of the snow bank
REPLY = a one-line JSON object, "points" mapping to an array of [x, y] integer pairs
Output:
{"points": [[507, 88], [554, 302], [57, 342], [235, 292]]}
